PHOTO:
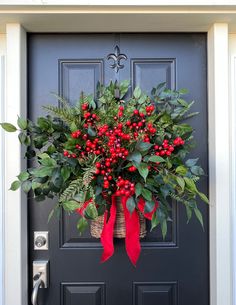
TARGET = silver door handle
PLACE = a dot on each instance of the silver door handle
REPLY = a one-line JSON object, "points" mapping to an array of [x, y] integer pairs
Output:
{"points": [[38, 282], [40, 279]]}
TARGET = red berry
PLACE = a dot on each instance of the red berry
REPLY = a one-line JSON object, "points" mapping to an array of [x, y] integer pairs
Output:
{"points": [[65, 153], [98, 165], [121, 108], [84, 106], [136, 112], [128, 123]]}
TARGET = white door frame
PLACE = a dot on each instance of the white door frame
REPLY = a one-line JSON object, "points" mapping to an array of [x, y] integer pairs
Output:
{"points": [[15, 227]]}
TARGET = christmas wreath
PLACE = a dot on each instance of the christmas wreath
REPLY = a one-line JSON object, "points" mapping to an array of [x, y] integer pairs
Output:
{"points": [[109, 150]]}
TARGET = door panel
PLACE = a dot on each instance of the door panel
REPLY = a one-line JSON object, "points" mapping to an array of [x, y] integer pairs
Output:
{"points": [[169, 272]]}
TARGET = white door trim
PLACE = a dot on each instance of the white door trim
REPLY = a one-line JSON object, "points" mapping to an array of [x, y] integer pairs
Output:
{"points": [[219, 171]]}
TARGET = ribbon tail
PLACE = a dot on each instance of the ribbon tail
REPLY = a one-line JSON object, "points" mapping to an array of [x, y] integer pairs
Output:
{"points": [[132, 239], [107, 232]]}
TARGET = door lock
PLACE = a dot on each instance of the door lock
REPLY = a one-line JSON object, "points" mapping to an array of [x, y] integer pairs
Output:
{"points": [[41, 240]]}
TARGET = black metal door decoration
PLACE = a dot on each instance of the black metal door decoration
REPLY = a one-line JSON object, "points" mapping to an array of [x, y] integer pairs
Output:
{"points": [[116, 57]]}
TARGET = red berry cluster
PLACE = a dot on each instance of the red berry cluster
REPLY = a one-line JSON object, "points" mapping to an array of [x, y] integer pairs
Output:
{"points": [[125, 187], [111, 144], [178, 141]]}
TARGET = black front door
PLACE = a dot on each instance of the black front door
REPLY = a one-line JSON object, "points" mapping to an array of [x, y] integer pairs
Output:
{"points": [[170, 272]]}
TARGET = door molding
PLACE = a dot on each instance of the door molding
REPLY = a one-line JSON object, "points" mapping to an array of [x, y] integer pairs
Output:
{"points": [[15, 233]]}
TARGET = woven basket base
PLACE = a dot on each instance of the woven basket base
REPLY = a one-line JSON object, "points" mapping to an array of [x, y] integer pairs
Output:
{"points": [[96, 226]]}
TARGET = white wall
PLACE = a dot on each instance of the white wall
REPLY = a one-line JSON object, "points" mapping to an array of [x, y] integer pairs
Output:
{"points": [[2, 97]]}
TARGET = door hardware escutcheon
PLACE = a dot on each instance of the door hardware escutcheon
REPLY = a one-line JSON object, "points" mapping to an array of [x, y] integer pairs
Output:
{"points": [[41, 240], [40, 278]]}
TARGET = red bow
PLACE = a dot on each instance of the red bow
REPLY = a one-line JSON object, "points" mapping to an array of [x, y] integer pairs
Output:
{"points": [[132, 238]]}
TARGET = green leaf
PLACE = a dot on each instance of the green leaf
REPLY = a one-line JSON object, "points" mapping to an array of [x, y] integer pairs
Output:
{"points": [[149, 206], [155, 221], [191, 162], [26, 186], [137, 92], [130, 204], [35, 185], [65, 172], [82, 225], [43, 171], [156, 159], [91, 132], [70, 205], [143, 170], [189, 213], [91, 211], [203, 197], [197, 170], [124, 86], [43, 155], [199, 216], [23, 176], [180, 182], [22, 123], [190, 184], [135, 156], [15, 185], [143, 146], [147, 194], [138, 189], [164, 228], [183, 91], [48, 162], [43, 123], [8, 127], [182, 170]]}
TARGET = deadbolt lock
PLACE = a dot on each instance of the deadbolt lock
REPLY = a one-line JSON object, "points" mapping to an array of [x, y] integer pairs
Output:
{"points": [[41, 240]]}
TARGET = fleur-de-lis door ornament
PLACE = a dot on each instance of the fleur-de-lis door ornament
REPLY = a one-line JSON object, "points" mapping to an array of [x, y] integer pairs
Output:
{"points": [[116, 57]]}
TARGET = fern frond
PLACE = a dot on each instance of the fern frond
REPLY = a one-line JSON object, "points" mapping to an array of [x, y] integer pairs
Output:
{"points": [[88, 176], [73, 188], [178, 198], [64, 113]]}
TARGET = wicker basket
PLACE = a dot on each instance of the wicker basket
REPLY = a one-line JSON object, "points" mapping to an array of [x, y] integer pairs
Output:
{"points": [[119, 229]]}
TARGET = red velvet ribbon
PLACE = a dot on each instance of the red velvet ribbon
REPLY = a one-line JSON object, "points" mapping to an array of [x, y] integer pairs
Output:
{"points": [[132, 239]]}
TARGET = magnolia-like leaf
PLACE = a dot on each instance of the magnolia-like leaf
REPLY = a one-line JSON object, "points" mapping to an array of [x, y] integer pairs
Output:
{"points": [[143, 170], [82, 225], [91, 211], [15, 185], [147, 194], [70, 205], [155, 221], [156, 159], [22, 123], [138, 189], [26, 186], [135, 156], [23, 176], [130, 204], [191, 162], [143, 146], [65, 172], [149, 206], [8, 127], [197, 170], [137, 92]]}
